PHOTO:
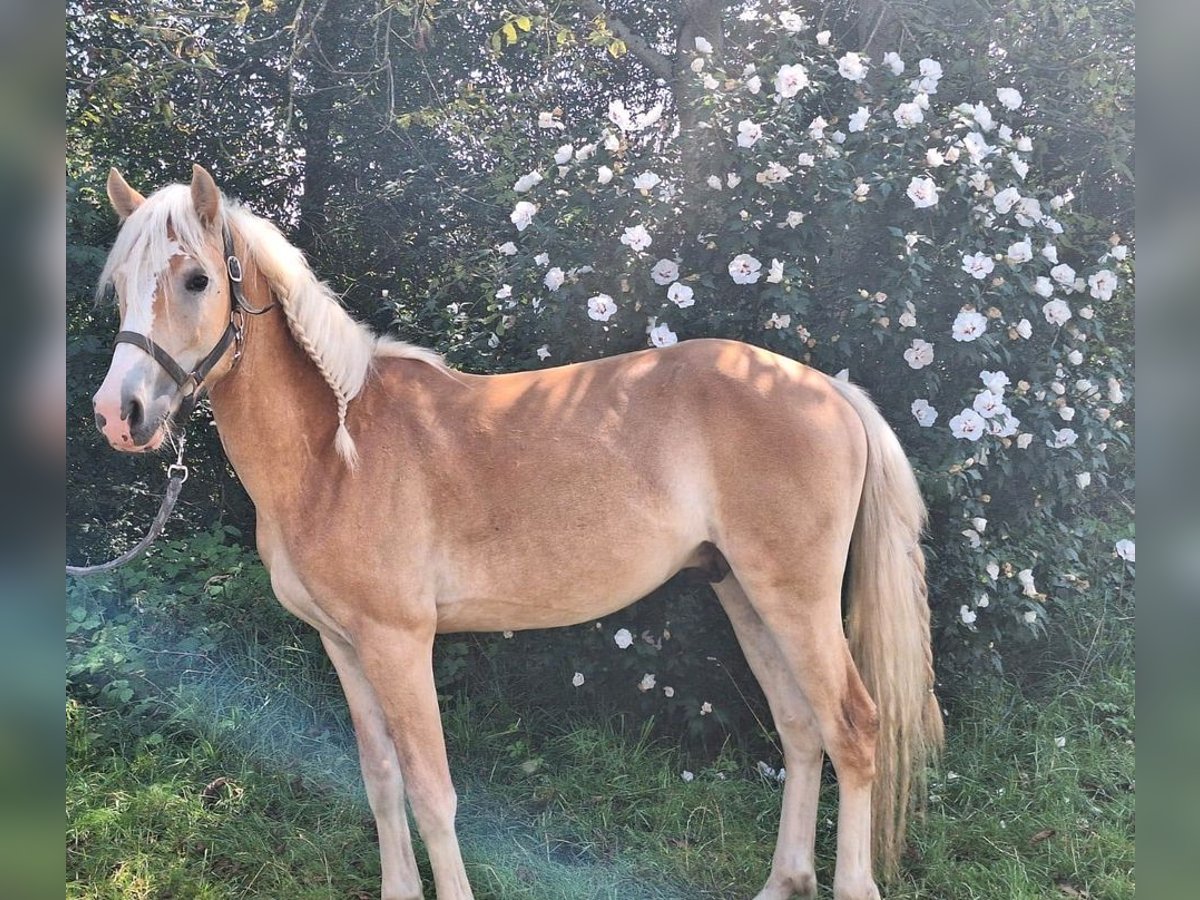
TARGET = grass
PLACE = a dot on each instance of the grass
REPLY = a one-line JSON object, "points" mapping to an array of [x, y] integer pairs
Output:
{"points": [[249, 788]]}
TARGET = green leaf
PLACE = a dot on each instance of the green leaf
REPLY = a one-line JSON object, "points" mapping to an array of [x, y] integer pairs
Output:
{"points": [[510, 33]]}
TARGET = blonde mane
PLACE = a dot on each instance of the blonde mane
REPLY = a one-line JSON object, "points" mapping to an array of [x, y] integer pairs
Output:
{"points": [[342, 348]]}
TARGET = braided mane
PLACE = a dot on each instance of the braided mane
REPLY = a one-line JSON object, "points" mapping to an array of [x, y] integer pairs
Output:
{"points": [[342, 348]]}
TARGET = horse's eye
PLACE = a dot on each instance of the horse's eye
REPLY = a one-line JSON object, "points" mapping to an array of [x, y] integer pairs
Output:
{"points": [[197, 283]]}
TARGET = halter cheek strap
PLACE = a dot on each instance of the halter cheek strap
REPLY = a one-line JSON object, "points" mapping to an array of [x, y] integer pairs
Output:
{"points": [[191, 383]]}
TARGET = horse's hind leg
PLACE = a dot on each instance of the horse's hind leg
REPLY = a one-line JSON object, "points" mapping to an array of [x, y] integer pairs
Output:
{"points": [[803, 615], [792, 870]]}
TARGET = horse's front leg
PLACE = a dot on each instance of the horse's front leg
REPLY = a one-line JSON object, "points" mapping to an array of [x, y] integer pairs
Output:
{"points": [[398, 663], [381, 775]]}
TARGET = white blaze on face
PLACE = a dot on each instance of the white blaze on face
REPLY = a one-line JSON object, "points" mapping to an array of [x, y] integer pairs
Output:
{"points": [[132, 370]]}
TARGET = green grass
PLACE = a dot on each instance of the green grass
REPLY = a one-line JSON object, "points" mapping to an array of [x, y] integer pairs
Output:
{"points": [[572, 810]]}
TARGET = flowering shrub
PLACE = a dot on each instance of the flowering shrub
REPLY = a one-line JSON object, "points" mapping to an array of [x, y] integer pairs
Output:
{"points": [[859, 215]]}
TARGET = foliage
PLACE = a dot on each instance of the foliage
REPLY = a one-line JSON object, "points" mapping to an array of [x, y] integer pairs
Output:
{"points": [[389, 138]]}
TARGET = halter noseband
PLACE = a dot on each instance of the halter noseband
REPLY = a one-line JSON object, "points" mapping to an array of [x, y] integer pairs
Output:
{"points": [[191, 383]]}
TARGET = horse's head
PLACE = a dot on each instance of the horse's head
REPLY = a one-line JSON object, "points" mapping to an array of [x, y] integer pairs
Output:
{"points": [[169, 269]]}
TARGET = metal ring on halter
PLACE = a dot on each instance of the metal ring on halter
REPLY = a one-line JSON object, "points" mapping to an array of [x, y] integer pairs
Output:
{"points": [[178, 469]]}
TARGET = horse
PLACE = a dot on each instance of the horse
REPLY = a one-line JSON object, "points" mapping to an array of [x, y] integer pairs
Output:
{"points": [[398, 498]]}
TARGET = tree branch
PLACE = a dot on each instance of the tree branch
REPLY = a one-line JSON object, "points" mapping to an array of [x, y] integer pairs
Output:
{"points": [[657, 63]]}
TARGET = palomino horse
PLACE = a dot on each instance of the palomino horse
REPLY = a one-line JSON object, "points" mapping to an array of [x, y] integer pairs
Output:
{"points": [[398, 499]]}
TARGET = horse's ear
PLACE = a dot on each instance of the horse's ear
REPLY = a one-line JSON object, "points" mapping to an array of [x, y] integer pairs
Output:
{"points": [[205, 196], [123, 198]]}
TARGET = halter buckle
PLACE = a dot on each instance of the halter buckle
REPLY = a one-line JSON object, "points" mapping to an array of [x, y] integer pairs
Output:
{"points": [[234, 266]]}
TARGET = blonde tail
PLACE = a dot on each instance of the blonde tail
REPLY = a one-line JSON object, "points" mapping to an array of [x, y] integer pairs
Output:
{"points": [[888, 629]]}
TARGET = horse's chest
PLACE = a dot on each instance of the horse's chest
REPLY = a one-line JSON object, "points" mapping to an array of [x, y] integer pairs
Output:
{"points": [[290, 589]]}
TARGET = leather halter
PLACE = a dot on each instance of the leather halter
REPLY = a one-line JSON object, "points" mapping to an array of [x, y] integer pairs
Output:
{"points": [[190, 384]]}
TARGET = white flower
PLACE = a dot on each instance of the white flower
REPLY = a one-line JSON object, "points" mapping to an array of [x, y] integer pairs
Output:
{"points": [[892, 60], [978, 181], [647, 683], [1064, 275], [619, 115], [748, 133], [754, 84], [577, 679], [636, 238], [793, 219], [966, 614], [922, 192], [1064, 437], [1056, 312], [1083, 479], [1024, 329], [776, 273], [858, 120], [710, 82], [925, 414], [1043, 287], [665, 271], [1006, 199], [601, 307], [931, 74], [646, 181], [522, 214], [1115, 394], [527, 182], [773, 174], [1019, 165], [791, 22], [823, 38], [714, 182], [1025, 144], [908, 318], [543, 352], [1086, 312], [995, 382], [732, 180], [934, 158], [989, 405], [662, 336], [1075, 357], [806, 159], [604, 174], [623, 638], [1023, 441], [1029, 211], [698, 64], [1030, 616], [790, 80], [612, 143], [968, 425], [977, 147], [908, 115], [705, 708], [919, 355], [554, 278], [1020, 252], [816, 128], [983, 117], [681, 295], [1010, 98], [668, 692], [979, 266], [968, 325], [686, 776], [703, 45], [549, 120], [1028, 588], [542, 259], [1102, 284], [504, 292], [1125, 549], [745, 269], [779, 322], [584, 153], [563, 154], [852, 67], [993, 570], [508, 248]]}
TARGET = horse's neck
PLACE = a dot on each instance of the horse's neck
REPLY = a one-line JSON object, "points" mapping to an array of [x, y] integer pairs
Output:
{"points": [[274, 413]]}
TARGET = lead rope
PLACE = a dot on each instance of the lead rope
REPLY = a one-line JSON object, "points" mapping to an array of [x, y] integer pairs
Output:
{"points": [[177, 474]]}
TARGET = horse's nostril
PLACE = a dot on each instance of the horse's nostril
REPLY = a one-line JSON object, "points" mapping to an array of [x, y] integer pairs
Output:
{"points": [[132, 412]]}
